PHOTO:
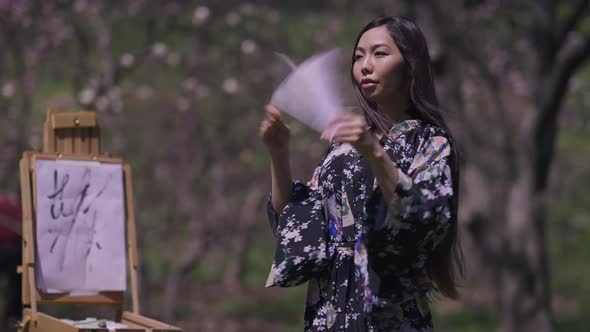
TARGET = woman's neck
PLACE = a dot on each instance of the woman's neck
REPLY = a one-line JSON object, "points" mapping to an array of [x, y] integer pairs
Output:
{"points": [[395, 108]]}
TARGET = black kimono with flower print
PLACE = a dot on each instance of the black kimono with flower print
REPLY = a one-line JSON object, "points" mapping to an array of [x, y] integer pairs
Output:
{"points": [[365, 260]]}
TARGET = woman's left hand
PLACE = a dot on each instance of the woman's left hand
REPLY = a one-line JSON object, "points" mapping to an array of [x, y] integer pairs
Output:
{"points": [[351, 128]]}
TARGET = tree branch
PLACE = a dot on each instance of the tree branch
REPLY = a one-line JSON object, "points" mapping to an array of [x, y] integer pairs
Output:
{"points": [[542, 31], [240, 241], [192, 255], [84, 47], [550, 96], [570, 22]]}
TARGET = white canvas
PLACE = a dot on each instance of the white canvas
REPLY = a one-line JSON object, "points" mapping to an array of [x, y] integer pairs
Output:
{"points": [[80, 226]]}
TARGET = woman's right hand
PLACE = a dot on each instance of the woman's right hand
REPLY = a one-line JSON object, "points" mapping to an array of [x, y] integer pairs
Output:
{"points": [[273, 131]]}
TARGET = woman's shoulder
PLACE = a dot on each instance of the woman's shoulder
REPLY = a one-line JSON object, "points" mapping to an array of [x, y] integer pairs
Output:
{"points": [[431, 130], [420, 137], [416, 130]]}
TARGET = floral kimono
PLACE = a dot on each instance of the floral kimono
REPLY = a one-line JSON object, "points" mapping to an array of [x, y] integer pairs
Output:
{"points": [[366, 259]]}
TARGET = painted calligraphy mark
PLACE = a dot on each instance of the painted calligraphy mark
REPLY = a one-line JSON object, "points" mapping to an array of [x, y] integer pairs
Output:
{"points": [[71, 211], [57, 194]]}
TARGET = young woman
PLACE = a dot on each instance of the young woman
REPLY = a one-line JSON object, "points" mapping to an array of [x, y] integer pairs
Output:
{"points": [[374, 230]]}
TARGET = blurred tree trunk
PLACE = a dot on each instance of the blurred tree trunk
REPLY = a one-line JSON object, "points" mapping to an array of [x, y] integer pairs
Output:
{"points": [[524, 293], [523, 140], [24, 56], [525, 298], [240, 241]]}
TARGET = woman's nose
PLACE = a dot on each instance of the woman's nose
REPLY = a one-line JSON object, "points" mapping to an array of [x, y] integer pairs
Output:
{"points": [[367, 67]]}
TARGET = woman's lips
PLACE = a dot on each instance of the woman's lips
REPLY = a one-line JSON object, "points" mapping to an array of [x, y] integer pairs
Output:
{"points": [[368, 85]]}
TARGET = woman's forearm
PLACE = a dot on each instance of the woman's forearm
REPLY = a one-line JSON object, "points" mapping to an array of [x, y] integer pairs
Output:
{"points": [[282, 183], [385, 171]]}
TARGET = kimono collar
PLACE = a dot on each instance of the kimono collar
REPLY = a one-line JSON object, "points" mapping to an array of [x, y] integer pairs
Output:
{"points": [[401, 127]]}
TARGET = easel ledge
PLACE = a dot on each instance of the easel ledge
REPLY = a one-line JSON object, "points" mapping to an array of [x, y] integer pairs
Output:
{"points": [[135, 323]]}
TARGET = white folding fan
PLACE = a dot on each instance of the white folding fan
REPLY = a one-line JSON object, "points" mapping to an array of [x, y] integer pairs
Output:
{"points": [[312, 93]]}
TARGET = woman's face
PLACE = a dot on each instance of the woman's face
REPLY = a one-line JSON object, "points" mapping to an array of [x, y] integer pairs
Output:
{"points": [[378, 68]]}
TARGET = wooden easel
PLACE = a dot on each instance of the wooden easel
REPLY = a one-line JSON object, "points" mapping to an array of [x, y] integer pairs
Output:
{"points": [[74, 136]]}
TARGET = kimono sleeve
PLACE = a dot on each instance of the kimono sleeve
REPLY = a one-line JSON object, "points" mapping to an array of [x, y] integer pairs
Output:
{"points": [[273, 216], [407, 229], [302, 249]]}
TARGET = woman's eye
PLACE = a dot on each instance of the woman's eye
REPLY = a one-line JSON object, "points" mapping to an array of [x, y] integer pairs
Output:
{"points": [[380, 54], [357, 57]]}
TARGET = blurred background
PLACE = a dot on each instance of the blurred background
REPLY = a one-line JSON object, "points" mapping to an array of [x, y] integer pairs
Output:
{"points": [[179, 88]]}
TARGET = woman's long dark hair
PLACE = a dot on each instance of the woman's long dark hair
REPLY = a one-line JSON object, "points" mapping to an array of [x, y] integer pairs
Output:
{"points": [[445, 264]]}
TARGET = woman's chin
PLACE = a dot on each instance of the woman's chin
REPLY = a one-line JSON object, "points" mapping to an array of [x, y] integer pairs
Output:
{"points": [[372, 97]]}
